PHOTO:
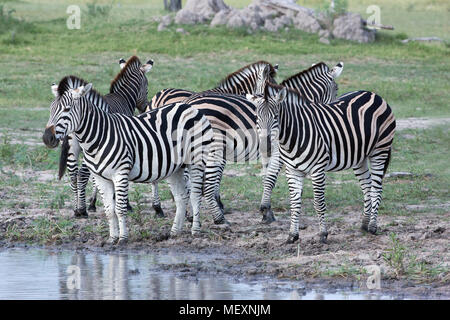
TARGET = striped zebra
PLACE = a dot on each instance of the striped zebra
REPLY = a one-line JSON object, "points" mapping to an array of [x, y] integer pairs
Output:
{"points": [[239, 82], [118, 148], [351, 132], [128, 91], [318, 82]]}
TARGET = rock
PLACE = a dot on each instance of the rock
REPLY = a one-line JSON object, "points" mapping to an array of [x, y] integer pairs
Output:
{"points": [[221, 18], [324, 33], [269, 25], [306, 22], [166, 20], [350, 26], [181, 30], [188, 17], [324, 40], [161, 27], [200, 10], [235, 21]]}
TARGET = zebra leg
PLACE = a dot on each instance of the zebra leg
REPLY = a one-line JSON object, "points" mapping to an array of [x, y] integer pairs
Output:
{"points": [[121, 195], [177, 185], [106, 189], [83, 178], [93, 200], [217, 186], [318, 182], [362, 172], [196, 173], [295, 182], [269, 181], [72, 168], [187, 180], [156, 200], [377, 165], [211, 179]]}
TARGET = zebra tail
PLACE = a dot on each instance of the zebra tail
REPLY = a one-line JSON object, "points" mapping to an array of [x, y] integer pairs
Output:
{"points": [[63, 157], [386, 164]]}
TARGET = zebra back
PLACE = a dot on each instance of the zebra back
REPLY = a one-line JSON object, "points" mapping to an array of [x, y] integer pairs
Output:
{"points": [[317, 84], [240, 82]]}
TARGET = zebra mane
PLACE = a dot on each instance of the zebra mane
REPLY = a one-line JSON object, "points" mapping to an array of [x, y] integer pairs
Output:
{"points": [[261, 62], [131, 63], [279, 87], [318, 67], [73, 82]]}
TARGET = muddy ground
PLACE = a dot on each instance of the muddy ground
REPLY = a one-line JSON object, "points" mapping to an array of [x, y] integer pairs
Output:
{"points": [[253, 249]]}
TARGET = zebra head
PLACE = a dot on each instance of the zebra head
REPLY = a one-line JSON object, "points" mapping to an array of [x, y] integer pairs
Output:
{"points": [[132, 78], [64, 115], [267, 113]]}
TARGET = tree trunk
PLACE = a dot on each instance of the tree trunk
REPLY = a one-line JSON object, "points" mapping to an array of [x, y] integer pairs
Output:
{"points": [[172, 5]]}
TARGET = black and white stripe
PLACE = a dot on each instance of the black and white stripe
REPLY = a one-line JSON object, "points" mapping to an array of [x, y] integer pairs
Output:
{"points": [[128, 90], [351, 132], [145, 148]]}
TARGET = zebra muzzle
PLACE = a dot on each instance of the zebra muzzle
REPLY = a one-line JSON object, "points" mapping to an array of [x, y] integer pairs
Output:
{"points": [[49, 137]]}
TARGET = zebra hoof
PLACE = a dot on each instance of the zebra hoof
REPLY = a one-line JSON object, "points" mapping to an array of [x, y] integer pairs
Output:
{"points": [[220, 203], [221, 221], [268, 216], [122, 242], [372, 228], [158, 211], [129, 208], [292, 238], [323, 237], [364, 227], [80, 213], [92, 208], [112, 240]]}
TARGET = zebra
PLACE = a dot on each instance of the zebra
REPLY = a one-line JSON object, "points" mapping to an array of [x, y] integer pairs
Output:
{"points": [[318, 83], [238, 82], [351, 132], [128, 91], [119, 148]]}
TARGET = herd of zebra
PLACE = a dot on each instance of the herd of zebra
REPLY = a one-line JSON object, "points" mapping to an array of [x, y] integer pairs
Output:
{"points": [[187, 137]]}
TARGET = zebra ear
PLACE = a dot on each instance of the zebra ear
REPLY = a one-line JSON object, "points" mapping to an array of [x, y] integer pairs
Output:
{"points": [[337, 70], [81, 91], [281, 95], [276, 67], [54, 88], [147, 67], [86, 89], [122, 63]]}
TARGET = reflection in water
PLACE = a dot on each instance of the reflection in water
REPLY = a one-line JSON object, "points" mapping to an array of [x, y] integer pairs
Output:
{"points": [[41, 274]]}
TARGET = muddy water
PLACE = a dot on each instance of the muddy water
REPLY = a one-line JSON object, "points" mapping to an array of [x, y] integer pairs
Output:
{"points": [[43, 274]]}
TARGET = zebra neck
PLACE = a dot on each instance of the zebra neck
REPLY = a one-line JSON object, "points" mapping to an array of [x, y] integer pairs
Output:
{"points": [[93, 129], [127, 88], [294, 120], [97, 100]]}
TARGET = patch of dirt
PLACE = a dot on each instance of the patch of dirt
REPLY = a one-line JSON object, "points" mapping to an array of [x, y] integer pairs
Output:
{"points": [[254, 249], [420, 123]]}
